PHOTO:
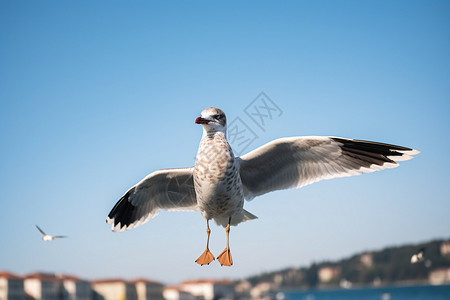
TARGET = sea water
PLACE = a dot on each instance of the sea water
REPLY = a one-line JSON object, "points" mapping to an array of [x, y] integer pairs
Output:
{"points": [[427, 292]]}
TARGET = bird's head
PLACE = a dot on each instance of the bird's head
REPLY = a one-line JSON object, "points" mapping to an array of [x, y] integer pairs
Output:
{"points": [[212, 119]]}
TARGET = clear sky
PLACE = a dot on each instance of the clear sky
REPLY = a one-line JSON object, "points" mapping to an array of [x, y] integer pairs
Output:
{"points": [[94, 95]]}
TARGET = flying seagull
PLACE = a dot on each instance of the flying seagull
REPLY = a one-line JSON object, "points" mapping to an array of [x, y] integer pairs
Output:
{"points": [[47, 237], [219, 182]]}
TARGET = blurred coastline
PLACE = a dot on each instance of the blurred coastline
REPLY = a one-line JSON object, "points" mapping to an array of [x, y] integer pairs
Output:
{"points": [[422, 267]]}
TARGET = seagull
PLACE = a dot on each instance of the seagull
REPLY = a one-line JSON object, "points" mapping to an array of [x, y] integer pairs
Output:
{"points": [[47, 237], [219, 182], [418, 257]]}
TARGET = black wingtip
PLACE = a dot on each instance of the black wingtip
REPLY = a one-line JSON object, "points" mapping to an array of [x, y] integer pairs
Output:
{"points": [[372, 152], [123, 212]]}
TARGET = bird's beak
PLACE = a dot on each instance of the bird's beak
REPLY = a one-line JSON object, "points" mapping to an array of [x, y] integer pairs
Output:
{"points": [[200, 120]]}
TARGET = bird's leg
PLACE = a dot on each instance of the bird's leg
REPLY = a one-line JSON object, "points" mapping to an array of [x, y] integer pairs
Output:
{"points": [[225, 257], [206, 256]]}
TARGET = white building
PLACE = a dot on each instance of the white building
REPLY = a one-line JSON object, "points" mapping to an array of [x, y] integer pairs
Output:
{"points": [[366, 259], [209, 289], [148, 289], [114, 289], [439, 276], [42, 286], [445, 248], [325, 274], [260, 290], [11, 287], [243, 288], [75, 288], [174, 293]]}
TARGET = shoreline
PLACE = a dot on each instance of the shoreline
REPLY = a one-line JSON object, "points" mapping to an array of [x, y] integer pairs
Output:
{"points": [[402, 284]]}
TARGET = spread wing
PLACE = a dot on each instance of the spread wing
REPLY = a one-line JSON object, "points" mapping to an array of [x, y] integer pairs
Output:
{"points": [[59, 236], [169, 189], [295, 162], [42, 231]]}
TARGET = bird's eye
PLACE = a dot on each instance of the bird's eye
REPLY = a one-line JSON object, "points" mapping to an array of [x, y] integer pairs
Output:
{"points": [[217, 117]]}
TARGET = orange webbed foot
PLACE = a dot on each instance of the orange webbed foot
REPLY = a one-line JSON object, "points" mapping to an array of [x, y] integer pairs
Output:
{"points": [[225, 258], [206, 258]]}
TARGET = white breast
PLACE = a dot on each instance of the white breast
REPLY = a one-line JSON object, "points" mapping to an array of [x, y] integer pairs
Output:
{"points": [[216, 179]]}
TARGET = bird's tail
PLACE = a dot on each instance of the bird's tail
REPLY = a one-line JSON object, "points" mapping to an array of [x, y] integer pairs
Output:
{"points": [[236, 219], [249, 216]]}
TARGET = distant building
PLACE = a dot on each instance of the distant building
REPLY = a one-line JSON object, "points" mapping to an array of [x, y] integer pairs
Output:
{"points": [[209, 289], [345, 284], [47, 286], [114, 289], [260, 290], [174, 293], [42, 286], [75, 288], [366, 259], [243, 287], [325, 274], [148, 289], [439, 276], [11, 286], [445, 248]]}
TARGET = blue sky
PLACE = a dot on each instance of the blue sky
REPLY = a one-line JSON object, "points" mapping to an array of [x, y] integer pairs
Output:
{"points": [[96, 95]]}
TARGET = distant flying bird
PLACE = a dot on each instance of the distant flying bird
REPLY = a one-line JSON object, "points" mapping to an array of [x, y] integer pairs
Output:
{"points": [[47, 237], [219, 182], [418, 257]]}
